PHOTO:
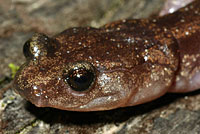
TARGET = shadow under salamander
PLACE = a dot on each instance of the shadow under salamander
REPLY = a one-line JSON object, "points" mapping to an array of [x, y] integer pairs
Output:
{"points": [[52, 116]]}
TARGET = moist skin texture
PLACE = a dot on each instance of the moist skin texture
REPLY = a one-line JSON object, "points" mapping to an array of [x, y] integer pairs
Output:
{"points": [[124, 63]]}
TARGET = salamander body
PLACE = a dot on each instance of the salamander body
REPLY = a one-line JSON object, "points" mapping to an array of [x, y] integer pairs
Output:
{"points": [[124, 63]]}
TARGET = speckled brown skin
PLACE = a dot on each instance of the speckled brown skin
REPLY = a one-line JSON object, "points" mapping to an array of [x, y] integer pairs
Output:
{"points": [[133, 62]]}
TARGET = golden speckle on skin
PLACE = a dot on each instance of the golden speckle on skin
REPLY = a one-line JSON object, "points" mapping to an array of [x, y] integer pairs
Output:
{"points": [[186, 9], [129, 62], [186, 33], [187, 65]]}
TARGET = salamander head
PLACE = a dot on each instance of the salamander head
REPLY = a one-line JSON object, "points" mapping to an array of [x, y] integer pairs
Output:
{"points": [[88, 69]]}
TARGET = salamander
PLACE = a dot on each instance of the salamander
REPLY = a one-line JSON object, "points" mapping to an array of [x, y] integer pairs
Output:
{"points": [[123, 63]]}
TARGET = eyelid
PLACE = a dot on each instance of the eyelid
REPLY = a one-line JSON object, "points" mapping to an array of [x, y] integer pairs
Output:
{"points": [[82, 83]]}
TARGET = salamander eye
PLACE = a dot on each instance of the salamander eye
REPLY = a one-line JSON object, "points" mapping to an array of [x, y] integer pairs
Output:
{"points": [[26, 49], [36, 46], [80, 77]]}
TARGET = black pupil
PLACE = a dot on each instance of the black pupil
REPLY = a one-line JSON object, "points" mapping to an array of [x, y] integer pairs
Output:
{"points": [[80, 79], [26, 49]]}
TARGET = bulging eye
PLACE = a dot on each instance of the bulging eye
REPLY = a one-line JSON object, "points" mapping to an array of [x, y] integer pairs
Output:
{"points": [[80, 77], [36, 46], [26, 49]]}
